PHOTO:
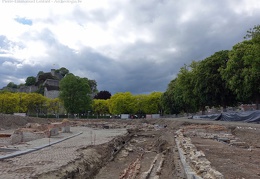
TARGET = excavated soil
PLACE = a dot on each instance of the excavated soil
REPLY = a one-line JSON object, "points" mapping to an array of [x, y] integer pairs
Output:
{"points": [[237, 159], [148, 150]]}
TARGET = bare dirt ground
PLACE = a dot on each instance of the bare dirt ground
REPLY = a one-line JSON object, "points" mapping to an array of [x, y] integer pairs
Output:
{"points": [[13, 122], [238, 159], [148, 150]]}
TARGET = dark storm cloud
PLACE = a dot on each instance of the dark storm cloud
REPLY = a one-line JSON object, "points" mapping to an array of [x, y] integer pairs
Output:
{"points": [[11, 70], [211, 28], [148, 67], [90, 64], [169, 35]]}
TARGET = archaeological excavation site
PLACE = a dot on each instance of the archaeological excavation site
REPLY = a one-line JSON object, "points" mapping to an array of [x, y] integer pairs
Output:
{"points": [[168, 148]]}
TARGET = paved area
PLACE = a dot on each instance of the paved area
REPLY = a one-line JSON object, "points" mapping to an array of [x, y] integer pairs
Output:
{"points": [[55, 156]]}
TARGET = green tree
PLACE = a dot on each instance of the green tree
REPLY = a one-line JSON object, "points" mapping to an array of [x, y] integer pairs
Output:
{"points": [[2, 101], [121, 103], [12, 85], [210, 88], [74, 92], [54, 105], [153, 102], [100, 106], [254, 34], [40, 73], [243, 71], [140, 104], [8, 102], [63, 71], [36, 103], [23, 105], [103, 95], [31, 80], [126, 103], [93, 87], [168, 101], [184, 90]]}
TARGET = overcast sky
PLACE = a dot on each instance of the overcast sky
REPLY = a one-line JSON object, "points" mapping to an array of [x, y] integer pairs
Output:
{"points": [[125, 45]]}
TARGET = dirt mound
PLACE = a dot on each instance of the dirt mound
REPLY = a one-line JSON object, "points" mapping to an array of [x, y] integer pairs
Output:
{"points": [[13, 122]]}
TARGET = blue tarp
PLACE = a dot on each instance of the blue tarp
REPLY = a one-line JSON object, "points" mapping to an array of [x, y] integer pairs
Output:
{"points": [[247, 116]]}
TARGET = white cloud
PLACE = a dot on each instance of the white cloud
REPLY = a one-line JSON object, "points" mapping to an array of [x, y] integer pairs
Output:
{"points": [[246, 7], [121, 44]]}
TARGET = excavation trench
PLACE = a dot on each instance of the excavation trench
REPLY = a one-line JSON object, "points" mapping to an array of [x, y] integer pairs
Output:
{"points": [[137, 154], [148, 154], [90, 161]]}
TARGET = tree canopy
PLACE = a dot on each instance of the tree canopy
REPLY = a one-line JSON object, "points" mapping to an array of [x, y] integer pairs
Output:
{"points": [[63, 71], [210, 88], [30, 103], [100, 106], [243, 71], [126, 103], [184, 90], [12, 85], [75, 93], [93, 87], [121, 103], [169, 104], [219, 80], [31, 80], [103, 95]]}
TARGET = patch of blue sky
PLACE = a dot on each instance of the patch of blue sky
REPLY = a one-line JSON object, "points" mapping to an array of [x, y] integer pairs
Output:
{"points": [[23, 20]]}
